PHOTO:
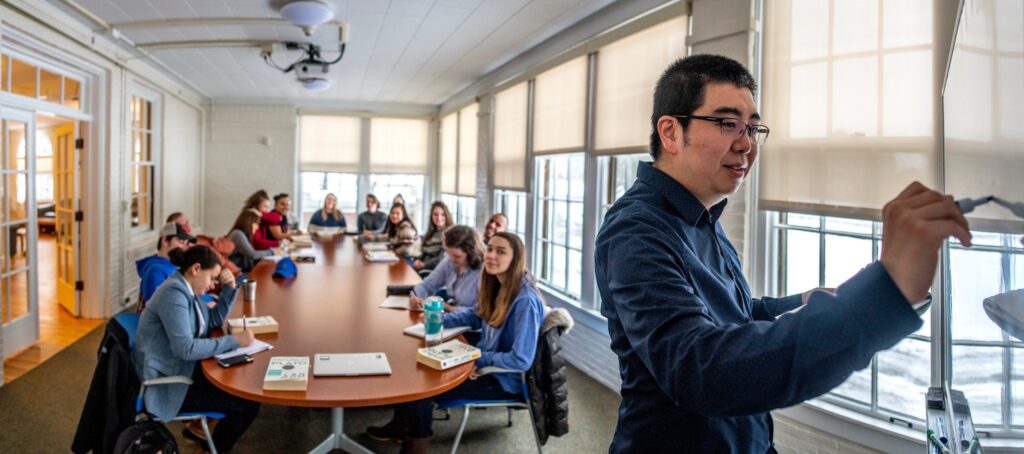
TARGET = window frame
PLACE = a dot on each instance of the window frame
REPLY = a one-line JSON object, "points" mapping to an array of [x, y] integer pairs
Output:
{"points": [[543, 263], [155, 156], [772, 244], [504, 199]]}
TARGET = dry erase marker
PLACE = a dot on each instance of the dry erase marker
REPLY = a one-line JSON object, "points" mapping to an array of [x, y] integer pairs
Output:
{"points": [[968, 205], [938, 443]]}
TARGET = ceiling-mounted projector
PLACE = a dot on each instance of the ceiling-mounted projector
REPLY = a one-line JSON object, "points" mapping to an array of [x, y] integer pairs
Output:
{"points": [[314, 83]]}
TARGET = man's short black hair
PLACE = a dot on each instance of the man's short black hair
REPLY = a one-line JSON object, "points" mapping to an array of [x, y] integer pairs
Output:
{"points": [[279, 197], [680, 89]]}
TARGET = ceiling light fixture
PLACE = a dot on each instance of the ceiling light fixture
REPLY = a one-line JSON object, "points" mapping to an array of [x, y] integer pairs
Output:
{"points": [[307, 13]]}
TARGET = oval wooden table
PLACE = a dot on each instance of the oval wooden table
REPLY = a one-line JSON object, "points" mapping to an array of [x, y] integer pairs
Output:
{"points": [[331, 306]]}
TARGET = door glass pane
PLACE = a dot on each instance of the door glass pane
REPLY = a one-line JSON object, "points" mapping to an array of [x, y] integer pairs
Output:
{"points": [[7, 243], [5, 301], [802, 251], [857, 387], [15, 144], [19, 294], [49, 86], [978, 372], [72, 93], [904, 373], [18, 197], [23, 78]]}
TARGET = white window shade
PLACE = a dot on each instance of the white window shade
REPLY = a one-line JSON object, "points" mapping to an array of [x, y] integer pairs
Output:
{"points": [[510, 137], [982, 106], [329, 143], [449, 152], [398, 145], [559, 107], [467, 150], [627, 71], [850, 126]]}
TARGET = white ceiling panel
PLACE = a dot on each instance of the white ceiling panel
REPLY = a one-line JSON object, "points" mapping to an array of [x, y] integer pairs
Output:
{"points": [[406, 51]]}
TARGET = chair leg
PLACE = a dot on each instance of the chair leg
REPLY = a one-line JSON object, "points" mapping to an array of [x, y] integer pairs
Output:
{"points": [[509, 409], [533, 428], [462, 428], [209, 436]]}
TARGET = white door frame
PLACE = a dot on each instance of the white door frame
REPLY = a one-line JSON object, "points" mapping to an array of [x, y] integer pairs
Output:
{"points": [[24, 331], [93, 265]]}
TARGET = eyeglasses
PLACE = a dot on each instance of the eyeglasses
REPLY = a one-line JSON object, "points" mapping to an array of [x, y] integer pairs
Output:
{"points": [[733, 128]]}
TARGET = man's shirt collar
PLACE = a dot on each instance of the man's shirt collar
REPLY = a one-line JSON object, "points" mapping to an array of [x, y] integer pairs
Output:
{"points": [[678, 196]]}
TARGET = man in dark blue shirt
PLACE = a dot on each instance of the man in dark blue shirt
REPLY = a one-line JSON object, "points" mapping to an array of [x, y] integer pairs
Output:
{"points": [[702, 363]]}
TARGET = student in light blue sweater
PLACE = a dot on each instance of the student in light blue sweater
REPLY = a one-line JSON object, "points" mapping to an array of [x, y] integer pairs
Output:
{"points": [[509, 313]]}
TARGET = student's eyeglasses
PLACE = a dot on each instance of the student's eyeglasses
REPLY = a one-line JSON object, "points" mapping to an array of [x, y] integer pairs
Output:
{"points": [[733, 128]]}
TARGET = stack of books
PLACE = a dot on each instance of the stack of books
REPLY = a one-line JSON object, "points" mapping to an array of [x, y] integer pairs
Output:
{"points": [[258, 325], [381, 256], [447, 355], [301, 241], [287, 373]]}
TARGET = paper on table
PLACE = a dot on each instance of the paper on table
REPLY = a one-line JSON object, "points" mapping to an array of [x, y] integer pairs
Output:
{"points": [[274, 258], [396, 302], [256, 347], [419, 331]]}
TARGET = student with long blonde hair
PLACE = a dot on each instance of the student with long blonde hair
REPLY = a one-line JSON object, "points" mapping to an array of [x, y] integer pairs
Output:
{"points": [[509, 313], [328, 216]]}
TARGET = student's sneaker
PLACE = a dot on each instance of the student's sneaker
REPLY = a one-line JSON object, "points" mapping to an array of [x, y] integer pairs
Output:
{"points": [[389, 432]]}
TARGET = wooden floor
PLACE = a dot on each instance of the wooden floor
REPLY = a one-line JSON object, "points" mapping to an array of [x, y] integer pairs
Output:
{"points": [[57, 328]]}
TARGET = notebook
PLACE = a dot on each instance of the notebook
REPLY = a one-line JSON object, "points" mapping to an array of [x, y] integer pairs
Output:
{"points": [[418, 330], [255, 347], [350, 364], [396, 302]]}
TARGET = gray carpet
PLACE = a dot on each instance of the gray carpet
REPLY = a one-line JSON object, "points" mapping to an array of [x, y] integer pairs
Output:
{"points": [[39, 413]]}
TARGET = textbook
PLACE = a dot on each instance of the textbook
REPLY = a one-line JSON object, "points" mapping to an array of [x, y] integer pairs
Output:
{"points": [[287, 373], [381, 257], [419, 331], [447, 355], [258, 325]]}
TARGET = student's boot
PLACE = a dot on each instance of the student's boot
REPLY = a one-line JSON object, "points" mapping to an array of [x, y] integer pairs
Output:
{"points": [[392, 431], [415, 445]]}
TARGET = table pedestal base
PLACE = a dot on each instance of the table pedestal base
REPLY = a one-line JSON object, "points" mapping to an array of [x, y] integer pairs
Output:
{"points": [[337, 439]]}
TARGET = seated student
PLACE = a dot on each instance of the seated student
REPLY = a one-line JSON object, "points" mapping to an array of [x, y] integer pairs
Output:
{"points": [[399, 232], [431, 250], [155, 269], [245, 255], [459, 273], [398, 200], [497, 223], [509, 311], [328, 216], [275, 222], [174, 333], [259, 204], [371, 220], [181, 219]]}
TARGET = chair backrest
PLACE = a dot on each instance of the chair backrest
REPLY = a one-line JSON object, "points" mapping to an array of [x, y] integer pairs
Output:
{"points": [[130, 322]]}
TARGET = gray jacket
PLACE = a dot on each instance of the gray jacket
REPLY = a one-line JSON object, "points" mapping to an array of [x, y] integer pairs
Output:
{"points": [[168, 341]]}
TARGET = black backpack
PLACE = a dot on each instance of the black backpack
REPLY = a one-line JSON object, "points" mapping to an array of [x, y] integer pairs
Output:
{"points": [[146, 437]]}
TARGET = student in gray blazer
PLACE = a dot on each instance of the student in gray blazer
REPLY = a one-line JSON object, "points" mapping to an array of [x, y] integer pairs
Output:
{"points": [[174, 333]]}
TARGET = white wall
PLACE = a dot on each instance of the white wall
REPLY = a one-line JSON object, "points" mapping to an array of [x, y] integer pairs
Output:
{"points": [[248, 148], [182, 161]]}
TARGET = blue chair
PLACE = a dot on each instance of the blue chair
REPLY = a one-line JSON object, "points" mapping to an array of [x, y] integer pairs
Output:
{"points": [[130, 322], [521, 403]]}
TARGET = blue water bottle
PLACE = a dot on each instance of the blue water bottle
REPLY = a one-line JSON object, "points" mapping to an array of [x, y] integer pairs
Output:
{"points": [[433, 320]]}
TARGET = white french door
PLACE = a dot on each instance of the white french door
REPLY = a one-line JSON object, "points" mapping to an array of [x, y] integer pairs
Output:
{"points": [[19, 301]]}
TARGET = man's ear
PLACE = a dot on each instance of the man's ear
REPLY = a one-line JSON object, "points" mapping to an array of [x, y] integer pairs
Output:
{"points": [[667, 128]]}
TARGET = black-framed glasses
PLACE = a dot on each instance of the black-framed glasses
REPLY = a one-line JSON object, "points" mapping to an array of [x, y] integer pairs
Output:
{"points": [[733, 128]]}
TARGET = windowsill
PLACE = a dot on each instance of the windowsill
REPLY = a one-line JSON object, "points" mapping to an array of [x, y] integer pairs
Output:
{"points": [[873, 432], [586, 317]]}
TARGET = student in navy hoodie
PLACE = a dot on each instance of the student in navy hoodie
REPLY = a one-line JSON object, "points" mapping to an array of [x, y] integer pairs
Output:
{"points": [[155, 269]]}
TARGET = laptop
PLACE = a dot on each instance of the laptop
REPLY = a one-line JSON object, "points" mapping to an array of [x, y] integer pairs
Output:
{"points": [[350, 364]]}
